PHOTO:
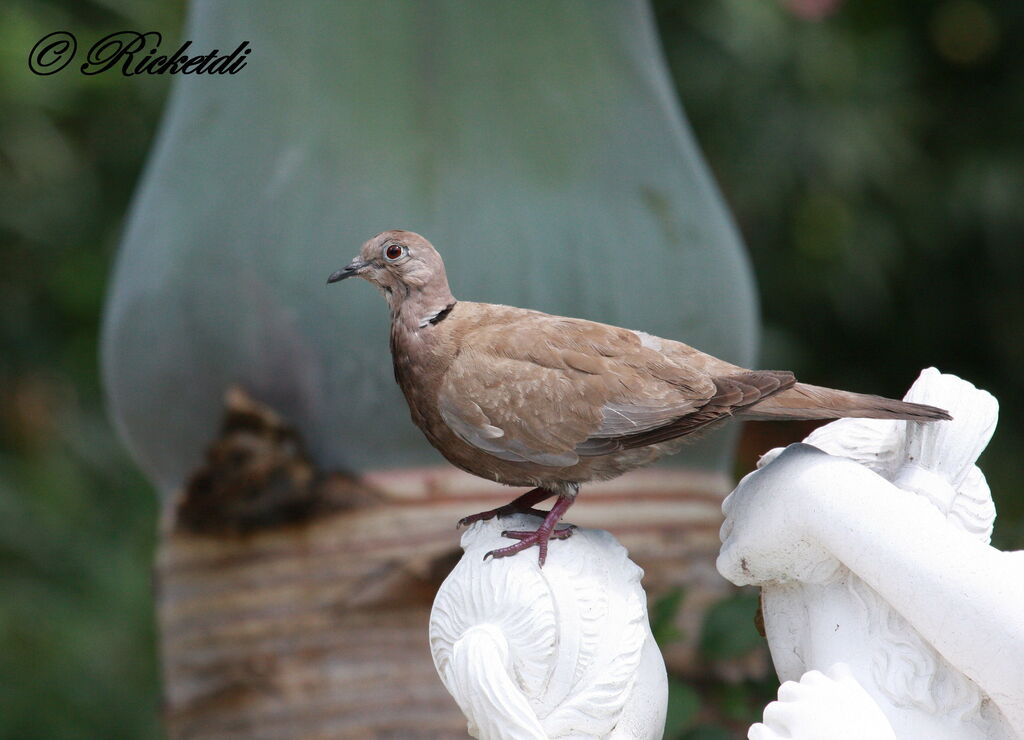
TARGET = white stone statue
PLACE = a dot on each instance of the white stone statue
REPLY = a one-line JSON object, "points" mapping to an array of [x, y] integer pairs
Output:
{"points": [[560, 652], [887, 612]]}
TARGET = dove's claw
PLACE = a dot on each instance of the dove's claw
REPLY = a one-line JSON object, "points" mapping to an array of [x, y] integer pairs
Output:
{"points": [[501, 511], [522, 505], [558, 534], [539, 537]]}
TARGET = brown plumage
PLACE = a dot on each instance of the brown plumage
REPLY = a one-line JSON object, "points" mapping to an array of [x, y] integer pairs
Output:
{"points": [[529, 399]]}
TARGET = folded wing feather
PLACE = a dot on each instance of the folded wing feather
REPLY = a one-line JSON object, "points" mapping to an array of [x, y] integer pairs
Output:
{"points": [[551, 391]]}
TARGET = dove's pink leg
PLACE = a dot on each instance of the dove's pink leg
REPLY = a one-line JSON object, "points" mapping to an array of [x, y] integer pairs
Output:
{"points": [[546, 531], [522, 505]]}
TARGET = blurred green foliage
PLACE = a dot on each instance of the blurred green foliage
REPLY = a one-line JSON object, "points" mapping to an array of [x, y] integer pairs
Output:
{"points": [[662, 614], [77, 522], [875, 163], [872, 157], [683, 706], [717, 706], [729, 630]]}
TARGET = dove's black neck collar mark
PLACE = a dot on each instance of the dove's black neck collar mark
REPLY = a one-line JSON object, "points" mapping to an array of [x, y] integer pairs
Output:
{"points": [[438, 317]]}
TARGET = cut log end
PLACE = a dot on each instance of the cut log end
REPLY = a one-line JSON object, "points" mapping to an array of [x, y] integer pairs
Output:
{"points": [[257, 475]]}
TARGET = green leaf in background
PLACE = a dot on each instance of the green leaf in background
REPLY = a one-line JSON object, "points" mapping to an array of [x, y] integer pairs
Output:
{"points": [[663, 613], [740, 702], [728, 630], [708, 732], [683, 704]]}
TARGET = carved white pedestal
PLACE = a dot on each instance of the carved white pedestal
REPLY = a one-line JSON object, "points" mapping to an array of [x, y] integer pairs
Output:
{"points": [[887, 612], [560, 652]]}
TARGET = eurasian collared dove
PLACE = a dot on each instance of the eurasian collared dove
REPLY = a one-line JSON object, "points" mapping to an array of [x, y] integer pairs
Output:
{"points": [[528, 399]]}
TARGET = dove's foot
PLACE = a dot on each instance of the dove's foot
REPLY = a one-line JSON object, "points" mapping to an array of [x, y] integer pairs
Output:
{"points": [[541, 536], [522, 505]]}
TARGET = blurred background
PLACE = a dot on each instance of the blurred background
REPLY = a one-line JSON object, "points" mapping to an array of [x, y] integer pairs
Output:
{"points": [[870, 152]]}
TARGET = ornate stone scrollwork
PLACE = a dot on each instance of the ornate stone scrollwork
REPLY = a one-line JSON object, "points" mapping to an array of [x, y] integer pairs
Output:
{"points": [[563, 651]]}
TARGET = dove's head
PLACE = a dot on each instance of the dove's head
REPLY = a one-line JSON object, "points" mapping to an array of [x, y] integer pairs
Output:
{"points": [[403, 264]]}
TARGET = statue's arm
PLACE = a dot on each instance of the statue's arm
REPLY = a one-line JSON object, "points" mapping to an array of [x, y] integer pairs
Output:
{"points": [[807, 511], [963, 596]]}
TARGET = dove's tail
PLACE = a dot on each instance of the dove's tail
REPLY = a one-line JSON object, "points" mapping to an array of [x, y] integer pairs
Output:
{"points": [[804, 401]]}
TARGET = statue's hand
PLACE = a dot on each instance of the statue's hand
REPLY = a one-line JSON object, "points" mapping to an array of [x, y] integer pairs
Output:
{"points": [[828, 705], [768, 533]]}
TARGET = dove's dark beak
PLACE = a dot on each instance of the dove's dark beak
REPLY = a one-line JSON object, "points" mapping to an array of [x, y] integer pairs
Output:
{"points": [[352, 268]]}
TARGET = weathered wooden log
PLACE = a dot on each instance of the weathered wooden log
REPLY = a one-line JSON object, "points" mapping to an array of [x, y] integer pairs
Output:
{"points": [[294, 604]]}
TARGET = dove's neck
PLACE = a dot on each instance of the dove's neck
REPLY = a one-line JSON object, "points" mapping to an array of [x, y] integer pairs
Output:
{"points": [[420, 308], [420, 342]]}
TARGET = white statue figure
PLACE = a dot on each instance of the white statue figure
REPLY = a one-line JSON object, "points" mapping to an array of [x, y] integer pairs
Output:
{"points": [[888, 613], [560, 652]]}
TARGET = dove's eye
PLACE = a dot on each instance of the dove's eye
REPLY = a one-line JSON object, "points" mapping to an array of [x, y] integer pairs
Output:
{"points": [[393, 251]]}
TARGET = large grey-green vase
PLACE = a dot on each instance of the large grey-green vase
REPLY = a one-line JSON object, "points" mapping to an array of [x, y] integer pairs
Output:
{"points": [[540, 146]]}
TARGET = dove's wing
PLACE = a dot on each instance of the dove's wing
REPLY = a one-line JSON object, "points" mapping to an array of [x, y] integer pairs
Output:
{"points": [[549, 390]]}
